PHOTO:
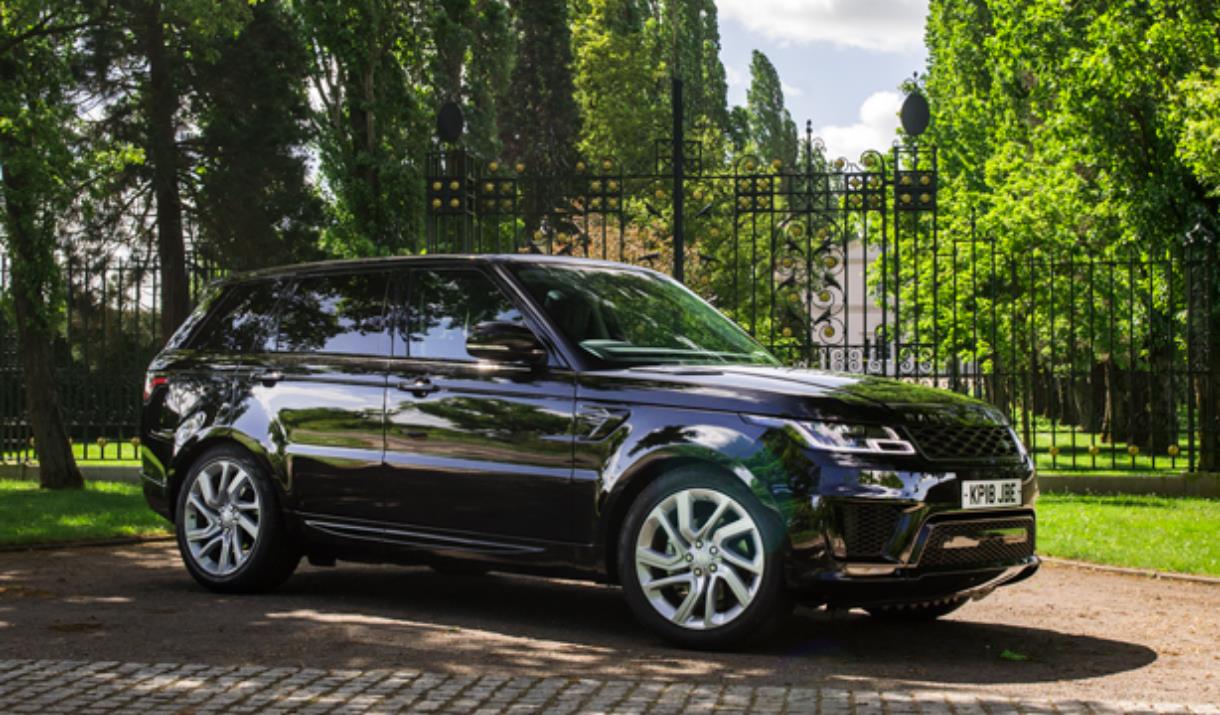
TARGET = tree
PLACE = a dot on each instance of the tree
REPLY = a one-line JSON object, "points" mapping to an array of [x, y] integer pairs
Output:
{"points": [[472, 61], [617, 74], [254, 206], [374, 123], [40, 172], [771, 127], [540, 120]]}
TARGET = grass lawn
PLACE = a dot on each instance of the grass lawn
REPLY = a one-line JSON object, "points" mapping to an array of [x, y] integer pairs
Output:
{"points": [[103, 510], [1164, 534]]}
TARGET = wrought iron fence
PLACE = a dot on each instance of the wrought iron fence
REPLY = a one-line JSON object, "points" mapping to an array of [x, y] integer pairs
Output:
{"points": [[1102, 363], [109, 333]]}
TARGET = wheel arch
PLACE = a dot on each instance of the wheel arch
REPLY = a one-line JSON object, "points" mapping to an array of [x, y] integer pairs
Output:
{"points": [[189, 454], [631, 483]]}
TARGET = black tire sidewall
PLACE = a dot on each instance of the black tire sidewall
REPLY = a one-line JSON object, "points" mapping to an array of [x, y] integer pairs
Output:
{"points": [[270, 549], [770, 605]]}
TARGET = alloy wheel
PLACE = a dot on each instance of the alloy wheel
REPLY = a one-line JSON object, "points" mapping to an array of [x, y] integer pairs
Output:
{"points": [[222, 518], [699, 558]]}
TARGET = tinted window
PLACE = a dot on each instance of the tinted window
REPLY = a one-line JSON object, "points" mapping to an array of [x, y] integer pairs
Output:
{"points": [[445, 305], [635, 317], [244, 320], [342, 314]]}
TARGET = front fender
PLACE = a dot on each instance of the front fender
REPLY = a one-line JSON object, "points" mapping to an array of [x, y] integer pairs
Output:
{"points": [[769, 464]]}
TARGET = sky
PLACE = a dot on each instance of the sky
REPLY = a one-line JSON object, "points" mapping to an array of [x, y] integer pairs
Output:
{"points": [[840, 62]]}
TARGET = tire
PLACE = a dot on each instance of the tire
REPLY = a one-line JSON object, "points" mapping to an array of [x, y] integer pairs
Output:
{"points": [[235, 540], [739, 556], [917, 612]]}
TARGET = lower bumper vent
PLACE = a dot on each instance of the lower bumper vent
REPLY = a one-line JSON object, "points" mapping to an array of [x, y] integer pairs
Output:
{"points": [[979, 543]]}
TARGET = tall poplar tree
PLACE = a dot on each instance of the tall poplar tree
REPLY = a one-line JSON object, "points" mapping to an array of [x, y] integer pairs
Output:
{"points": [[771, 127]]}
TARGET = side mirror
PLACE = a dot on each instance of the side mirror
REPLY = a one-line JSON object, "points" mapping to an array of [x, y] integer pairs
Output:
{"points": [[504, 342]]}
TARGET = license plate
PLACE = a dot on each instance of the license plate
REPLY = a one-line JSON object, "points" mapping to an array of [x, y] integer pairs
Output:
{"points": [[982, 495]]}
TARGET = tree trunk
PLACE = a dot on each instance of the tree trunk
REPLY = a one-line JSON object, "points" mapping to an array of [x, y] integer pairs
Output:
{"points": [[162, 105], [32, 260], [1115, 421]]}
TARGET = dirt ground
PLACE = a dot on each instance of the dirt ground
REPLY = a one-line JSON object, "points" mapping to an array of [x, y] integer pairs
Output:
{"points": [[1066, 633]]}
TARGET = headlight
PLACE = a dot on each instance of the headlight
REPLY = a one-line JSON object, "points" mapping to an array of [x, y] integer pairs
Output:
{"points": [[840, 436]]}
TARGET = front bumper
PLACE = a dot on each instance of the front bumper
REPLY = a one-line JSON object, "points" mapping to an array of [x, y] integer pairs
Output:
{"points": [[874, 537]]}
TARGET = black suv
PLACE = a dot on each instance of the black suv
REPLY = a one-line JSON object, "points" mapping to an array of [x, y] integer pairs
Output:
{"points": [[568, 417]]}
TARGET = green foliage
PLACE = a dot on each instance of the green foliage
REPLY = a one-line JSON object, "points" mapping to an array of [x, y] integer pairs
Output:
{"points": [[255, 206], [369, 68], [618, 78], [772, 131]]}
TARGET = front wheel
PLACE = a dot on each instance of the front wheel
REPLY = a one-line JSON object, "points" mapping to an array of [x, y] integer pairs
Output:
{"points": [[230, 530], [700, 561]]}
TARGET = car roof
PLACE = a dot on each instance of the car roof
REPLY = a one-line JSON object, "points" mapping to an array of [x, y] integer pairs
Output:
{"points": [[362, 264]]}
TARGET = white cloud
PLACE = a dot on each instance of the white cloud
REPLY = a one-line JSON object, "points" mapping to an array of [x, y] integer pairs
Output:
{"points": [[885, 25], [790, 91], [733, 76], [875, 129]]}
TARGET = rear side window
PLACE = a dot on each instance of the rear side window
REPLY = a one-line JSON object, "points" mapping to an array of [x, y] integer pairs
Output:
{"points": [[444, 305], [341, 314], [243, 322]]}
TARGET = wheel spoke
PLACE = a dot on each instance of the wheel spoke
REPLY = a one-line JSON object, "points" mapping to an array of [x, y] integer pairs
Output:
{"points": [[238, 557], [247, 524], [202, 509], [688, 604], [709, 602], [728, 531], [204, 480], [656, 559], [225, 552], [666, 581], [733, 581], [224, 478], [683, 500], [679, 545], [216, 540], [236, 485], [721, 507], [753, 566], [196, 535]]}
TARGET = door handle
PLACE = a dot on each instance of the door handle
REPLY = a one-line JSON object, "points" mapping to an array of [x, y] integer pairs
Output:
{"points": [[419, 387], [269, 377]]}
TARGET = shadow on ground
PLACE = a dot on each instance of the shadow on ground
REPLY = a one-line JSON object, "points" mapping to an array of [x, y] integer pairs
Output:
{"points": [[139, 604]]}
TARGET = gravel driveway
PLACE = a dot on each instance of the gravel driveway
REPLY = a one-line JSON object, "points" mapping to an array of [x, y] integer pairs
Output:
{"points": [[1083, 635]]}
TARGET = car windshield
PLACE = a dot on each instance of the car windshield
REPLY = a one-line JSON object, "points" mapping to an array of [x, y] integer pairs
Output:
{"points": [[633, 317]]}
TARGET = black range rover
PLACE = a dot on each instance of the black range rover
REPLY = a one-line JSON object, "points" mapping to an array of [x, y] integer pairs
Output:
{"points": [[568, 417]]}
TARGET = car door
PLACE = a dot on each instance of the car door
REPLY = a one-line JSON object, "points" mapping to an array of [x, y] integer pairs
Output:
{"points": [[475, 447], [322, 392]]}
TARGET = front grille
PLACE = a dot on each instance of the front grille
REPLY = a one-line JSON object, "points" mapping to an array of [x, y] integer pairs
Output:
{"points": [[943, 442], [867, 528], [989, 550]]}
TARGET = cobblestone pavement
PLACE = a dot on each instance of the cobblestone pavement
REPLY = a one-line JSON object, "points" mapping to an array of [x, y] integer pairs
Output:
{"points": [[67, 686]]}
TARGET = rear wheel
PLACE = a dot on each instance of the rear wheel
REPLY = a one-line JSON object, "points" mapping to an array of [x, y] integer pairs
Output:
{"points": [[700, 560], [920, 611], [230, 529]]}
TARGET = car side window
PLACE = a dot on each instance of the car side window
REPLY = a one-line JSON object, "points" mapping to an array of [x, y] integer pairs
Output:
{"points": [[343, 314], [444, 305], [243, 322]]}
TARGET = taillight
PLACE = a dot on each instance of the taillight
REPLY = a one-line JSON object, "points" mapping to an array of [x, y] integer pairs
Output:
{"points": [[151, 383]]}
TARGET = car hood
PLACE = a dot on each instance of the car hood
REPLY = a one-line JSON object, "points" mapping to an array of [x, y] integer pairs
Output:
{"points": [[787, 392]]}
